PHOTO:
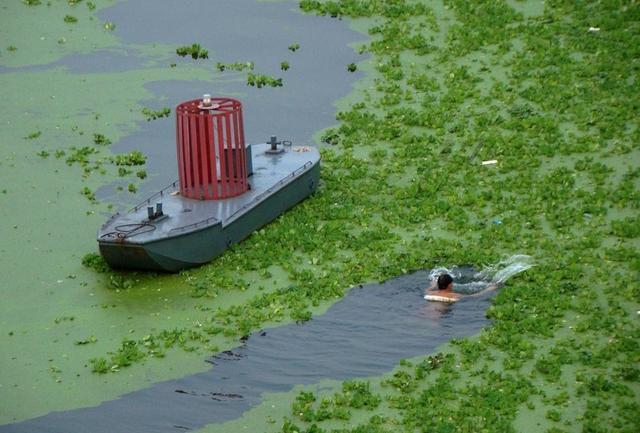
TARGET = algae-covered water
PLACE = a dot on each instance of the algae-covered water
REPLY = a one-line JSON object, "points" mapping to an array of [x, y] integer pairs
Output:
{"points": [[365, 334], [64, 83], [242, 31], [474, 130]]}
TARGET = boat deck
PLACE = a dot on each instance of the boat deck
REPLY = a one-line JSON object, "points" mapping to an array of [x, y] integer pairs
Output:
{"points": [[182, 215]]}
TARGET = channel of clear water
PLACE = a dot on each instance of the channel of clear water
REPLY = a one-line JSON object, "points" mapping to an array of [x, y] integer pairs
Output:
{"points": [[365, 334]]}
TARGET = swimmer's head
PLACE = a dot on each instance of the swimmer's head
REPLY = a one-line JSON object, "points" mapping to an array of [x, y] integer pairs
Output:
{"points": [[444, 281]]}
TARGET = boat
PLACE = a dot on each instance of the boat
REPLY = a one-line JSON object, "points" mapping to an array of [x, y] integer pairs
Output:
{"points": [[225, 191]]}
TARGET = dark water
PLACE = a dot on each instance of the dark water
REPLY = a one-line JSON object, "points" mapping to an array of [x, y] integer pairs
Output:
{"points": [[232, 31], [365, 334], [238, 31]]}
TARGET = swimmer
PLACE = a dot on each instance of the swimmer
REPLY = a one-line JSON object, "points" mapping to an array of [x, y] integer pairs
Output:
{"points": [[445, 282], [441, 290], [444, 292]]}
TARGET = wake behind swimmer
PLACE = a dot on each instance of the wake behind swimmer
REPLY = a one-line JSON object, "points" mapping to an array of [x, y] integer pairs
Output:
{"points": [[450, 285]]}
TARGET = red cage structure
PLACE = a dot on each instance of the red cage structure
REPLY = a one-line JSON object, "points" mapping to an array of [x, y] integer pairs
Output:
{"points": [[212, 160]]}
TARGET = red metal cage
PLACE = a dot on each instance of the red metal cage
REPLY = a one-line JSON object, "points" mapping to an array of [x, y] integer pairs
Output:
{"points": [[211, 150]]}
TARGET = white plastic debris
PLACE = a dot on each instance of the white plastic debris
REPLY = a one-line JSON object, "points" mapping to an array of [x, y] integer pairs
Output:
{"points": [[594, 29], [490, 162]]}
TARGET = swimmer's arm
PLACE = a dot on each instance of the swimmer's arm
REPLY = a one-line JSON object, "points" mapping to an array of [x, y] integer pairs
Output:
{"points": [[489, 288]]}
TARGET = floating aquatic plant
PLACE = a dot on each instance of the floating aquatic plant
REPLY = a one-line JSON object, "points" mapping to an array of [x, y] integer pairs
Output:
{"points": [[135, 157], [95, 262], [193, 50], [33, 135], [101, 140], [127, 354], [64, 319], [404, 188], [150, 114], [354, 395], [90, 195], [235, 66], [90, 340], [262, 80]]}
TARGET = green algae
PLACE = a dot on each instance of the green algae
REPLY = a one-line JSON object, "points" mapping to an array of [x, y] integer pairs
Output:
{"points": [[555, 357], [437, 105], [193, 50], [262, 80], [51, 37], [150, 114], [46, 221]]}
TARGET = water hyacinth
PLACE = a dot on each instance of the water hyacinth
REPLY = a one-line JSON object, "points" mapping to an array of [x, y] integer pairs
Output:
{"points": [[451, 86]]}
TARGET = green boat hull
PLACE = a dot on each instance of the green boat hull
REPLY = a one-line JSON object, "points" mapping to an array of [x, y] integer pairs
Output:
{"points": [[200, 245]]}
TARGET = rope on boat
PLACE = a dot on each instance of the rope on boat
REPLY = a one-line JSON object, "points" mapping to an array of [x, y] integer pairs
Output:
{"points": [[129, 230]]}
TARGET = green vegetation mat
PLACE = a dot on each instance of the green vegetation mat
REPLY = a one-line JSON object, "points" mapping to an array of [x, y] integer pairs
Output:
{"points": [[551, 94], [548, 90]]}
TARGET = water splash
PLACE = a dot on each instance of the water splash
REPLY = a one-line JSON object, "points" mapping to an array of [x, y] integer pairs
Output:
{"points": [[507, 268], [467, 282]]}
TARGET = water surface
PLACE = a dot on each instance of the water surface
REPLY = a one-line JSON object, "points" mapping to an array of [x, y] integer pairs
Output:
{"points": [[239, 31], [365, 334]]}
